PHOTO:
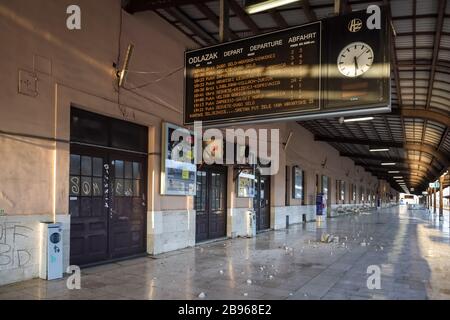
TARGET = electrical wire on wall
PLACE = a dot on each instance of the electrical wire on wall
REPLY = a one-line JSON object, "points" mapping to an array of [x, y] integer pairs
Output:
{"points": [[146, 84]]}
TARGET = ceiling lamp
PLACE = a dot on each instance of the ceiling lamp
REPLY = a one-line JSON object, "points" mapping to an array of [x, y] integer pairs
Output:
{"points": [[372, 149], [258, 6], [388, 163], [394, 171], [343, 120]]}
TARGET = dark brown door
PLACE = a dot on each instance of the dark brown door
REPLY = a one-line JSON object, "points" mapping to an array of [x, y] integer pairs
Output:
{"points": [[107, 180], [261, 202], [210, 203], [127, 215], [107, 205], [87, 206]]}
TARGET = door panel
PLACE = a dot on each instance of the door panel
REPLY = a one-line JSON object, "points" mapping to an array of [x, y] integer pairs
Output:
{"points": [[261, 202], [89, 216], [210, 203], [128, 211]]}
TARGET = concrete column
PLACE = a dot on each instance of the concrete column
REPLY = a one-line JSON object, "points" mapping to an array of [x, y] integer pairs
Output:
{"points": [[434, 200], [441, 198]]}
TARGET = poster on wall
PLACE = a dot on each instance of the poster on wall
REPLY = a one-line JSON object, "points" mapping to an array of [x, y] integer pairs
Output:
{"points": [[178, 168], [246, 184]]}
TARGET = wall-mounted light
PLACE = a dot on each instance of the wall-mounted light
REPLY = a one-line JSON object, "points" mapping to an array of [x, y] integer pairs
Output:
{"points": [[258, 6], [372, 149], [121, 74], [343, 120]]}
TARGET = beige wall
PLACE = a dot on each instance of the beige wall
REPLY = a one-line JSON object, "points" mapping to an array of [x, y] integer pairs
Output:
{"points": [[81, 73]]}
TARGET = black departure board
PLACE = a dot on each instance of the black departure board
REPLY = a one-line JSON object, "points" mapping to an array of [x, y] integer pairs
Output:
{"points": [[270, 76]]}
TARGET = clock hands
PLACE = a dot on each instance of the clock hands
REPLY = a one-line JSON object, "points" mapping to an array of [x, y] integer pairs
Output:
{"points": [[356, 64]]}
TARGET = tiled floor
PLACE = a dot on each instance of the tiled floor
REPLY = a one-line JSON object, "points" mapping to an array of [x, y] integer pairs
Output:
{"points": [[411, 247]]}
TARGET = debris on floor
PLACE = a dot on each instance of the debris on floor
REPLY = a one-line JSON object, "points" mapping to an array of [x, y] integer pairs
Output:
{"points": [[202, 295]]}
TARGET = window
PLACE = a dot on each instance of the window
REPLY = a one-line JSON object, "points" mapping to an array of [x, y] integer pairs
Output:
{"points": [[353, 192], [246, 184], [85, 184], [298, 183], [127, 177]]}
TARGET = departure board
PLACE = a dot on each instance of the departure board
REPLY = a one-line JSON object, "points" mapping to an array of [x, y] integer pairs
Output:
{"points": [[270, 76]]}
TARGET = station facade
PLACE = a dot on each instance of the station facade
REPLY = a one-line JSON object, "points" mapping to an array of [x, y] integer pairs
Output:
{"points": [[69, 136]]}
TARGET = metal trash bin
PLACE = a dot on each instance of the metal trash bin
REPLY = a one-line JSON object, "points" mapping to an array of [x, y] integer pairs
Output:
{"points": [[251, 223], [51, 264]]}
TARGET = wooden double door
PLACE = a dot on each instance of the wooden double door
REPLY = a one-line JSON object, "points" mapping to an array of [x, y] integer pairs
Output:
{"points": [[211, 203], [261, 202], [107, 205]]}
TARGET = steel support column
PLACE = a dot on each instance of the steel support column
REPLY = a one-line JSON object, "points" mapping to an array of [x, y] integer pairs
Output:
{"points": [[224, 21]]}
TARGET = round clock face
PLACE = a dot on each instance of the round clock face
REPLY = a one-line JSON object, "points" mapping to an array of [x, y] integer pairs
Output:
{"points": [[355, 59]]}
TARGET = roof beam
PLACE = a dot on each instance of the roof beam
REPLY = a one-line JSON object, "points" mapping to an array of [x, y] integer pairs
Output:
{"points": [[193, 26], [385, 159], [278, 18], [423, 114], [444, 136], [207, 12], [244, 16], [310, 14], [375, 143], [408, 171], [441, 157], [134, 6], [437, 41]]}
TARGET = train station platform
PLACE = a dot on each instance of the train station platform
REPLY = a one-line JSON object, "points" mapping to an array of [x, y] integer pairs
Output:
{"points": [[411, 248]]}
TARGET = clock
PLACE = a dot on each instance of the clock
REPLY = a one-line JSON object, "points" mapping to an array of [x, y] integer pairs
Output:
{"points": [[355, 59]]}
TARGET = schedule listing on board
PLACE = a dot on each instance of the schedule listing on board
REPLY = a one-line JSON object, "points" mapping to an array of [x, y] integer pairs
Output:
{"points": [[277, 72]]}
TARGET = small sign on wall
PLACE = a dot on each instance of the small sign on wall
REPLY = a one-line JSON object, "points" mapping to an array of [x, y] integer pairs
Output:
{"points": [[28, 83]]}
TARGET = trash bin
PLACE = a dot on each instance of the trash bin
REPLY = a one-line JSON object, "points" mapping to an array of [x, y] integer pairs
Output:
{"points": [[51, 264], [251, 223]]}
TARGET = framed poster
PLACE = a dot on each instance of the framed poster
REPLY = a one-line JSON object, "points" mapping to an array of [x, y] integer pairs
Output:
{"points": [[178, 168], [245, 184], [297, 183]]}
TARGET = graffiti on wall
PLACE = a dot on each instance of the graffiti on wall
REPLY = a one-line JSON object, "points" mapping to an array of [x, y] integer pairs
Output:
{"points": [[13, 253]]}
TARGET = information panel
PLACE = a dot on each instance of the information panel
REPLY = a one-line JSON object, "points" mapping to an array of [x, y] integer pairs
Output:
{"points": [[357, 71], [271, 76], [339, 66], [178, 169]]}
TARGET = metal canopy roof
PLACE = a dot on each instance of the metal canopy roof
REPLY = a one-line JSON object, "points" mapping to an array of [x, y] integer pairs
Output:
{"points": [[417, 130]]}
